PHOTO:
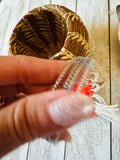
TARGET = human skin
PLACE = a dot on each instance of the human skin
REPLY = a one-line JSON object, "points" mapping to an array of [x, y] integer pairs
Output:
{"points": [[42, 112]]}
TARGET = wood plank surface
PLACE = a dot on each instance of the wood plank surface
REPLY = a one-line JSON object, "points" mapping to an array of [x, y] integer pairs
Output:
{"points": [[71, 4], [91, 139], [53, 152], [14, 10], [94, 139], [37, 3], [4, 18], [17, 154], [41, 149]]}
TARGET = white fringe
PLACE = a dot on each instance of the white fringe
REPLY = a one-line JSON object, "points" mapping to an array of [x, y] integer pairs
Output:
{"points": [[108, 112], [98, 99]]}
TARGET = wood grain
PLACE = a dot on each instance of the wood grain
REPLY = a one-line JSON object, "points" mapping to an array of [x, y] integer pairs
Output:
{"points": [[37, 3], [4, 18], [71, 4], [14, 10], [41, 149], [17, 154], [91, 139]]}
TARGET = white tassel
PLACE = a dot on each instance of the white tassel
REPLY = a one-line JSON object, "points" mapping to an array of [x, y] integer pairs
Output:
{"points": [[98, 99], [108, 112]]}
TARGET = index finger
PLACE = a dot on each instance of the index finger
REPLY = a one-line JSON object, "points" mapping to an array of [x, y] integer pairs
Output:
{"points": [[29, 70]]}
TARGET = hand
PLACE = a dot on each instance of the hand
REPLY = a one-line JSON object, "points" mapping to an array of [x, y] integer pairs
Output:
{"points": [[39, 114]]}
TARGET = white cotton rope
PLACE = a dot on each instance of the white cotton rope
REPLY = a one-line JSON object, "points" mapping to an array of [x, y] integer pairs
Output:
{"points": [[109, 112]]}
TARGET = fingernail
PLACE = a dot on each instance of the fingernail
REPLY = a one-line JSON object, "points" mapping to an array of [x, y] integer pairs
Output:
{"points": [[70, 109], [65, 137]]}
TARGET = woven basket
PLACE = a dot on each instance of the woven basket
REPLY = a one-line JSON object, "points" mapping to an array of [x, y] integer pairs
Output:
{"points": [[50, 31]]}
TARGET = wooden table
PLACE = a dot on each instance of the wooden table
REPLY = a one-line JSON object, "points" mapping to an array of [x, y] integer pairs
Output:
{"points": [[95, 139]]}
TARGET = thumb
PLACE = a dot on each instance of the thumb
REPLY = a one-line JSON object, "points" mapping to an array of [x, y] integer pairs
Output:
{"points": [[41, 115]]}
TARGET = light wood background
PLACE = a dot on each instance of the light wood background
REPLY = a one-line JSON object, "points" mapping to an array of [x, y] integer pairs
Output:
{"points": [[95, 139]]}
